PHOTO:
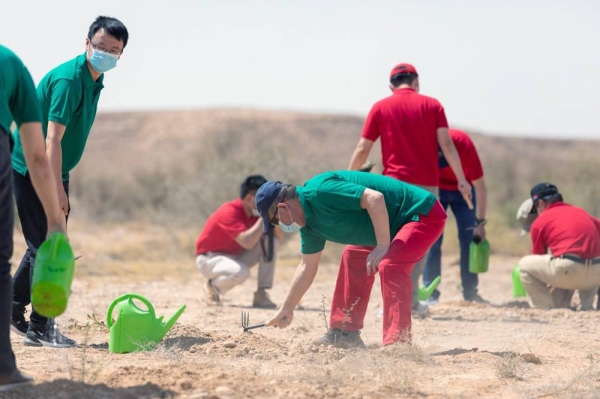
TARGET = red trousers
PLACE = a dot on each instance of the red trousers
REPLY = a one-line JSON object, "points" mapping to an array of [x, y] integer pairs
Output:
{"points": [[353, 285]]}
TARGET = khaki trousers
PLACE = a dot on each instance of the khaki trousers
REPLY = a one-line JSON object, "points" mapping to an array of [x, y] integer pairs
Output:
{"points": [[417, 270], [550, 281], [226, 270]]}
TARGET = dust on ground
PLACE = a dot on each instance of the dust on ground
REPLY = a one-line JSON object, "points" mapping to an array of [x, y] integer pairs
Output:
{"points": [[461, 350]]}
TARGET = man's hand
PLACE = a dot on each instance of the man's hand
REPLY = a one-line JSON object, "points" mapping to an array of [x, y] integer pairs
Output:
{"points": [[282, 319], [479, 232], [375, 257], [63, 201], [465, 189]]}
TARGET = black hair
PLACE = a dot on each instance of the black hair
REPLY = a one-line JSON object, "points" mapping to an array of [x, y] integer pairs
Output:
{"points": [[112, 26], [550, 199], [251, 183], [403, 78]]}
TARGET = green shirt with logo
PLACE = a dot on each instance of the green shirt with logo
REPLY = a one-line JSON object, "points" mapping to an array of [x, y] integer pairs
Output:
{"points": [[68, 95], [18, 100], [331, 204]]}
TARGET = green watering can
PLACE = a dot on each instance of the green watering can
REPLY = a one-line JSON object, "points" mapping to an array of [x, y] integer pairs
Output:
{"points": [[519, 290], [425, 292], [136, 329], [479, 256], [52, 276]]}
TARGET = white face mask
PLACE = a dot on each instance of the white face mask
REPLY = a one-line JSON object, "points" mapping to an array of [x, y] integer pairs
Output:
{"points": [[255, 212], [292, 228]]}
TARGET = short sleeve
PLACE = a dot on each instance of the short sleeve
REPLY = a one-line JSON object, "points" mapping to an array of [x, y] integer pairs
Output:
{"points": [[441, 117], [24, 103], [538, 246], [371, 127], [64, 99], [472, 165], [310, 243], [231, 224]]}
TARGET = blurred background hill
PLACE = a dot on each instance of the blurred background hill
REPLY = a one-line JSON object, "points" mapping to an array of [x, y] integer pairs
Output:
{"points": [[174, 168]]}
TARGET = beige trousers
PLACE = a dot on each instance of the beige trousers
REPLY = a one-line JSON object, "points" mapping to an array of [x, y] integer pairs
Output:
{"points": [[417, 270], [550, 281], [226, 270]]}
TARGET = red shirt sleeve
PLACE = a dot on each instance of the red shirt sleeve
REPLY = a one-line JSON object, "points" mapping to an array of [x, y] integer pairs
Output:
{"points": [[538, 245], [371, 127], [472, 166], [441, 117], [231, 223]]}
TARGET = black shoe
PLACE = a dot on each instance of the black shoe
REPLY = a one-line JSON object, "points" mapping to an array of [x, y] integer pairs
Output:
{"points": [[49, 336], [18, 324], [14, 380], [476, 298], [341, 339]]}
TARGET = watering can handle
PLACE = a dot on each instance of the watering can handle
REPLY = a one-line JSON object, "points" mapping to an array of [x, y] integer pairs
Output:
{"points": [[114, 303]]}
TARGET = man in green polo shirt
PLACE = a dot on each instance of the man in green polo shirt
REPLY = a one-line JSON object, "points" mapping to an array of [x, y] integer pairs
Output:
{"points": [[68, 96], [18, 102], [389, 225]]}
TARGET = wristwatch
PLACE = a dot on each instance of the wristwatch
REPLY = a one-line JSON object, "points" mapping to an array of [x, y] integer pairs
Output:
{"points": [[480, 222]]}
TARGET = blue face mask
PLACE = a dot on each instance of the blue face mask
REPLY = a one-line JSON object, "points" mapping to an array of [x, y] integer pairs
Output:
{"points": [[292, 228], [102, 61]]}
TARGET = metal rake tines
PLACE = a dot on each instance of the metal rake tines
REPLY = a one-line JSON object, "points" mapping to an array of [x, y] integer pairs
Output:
{"points": [[246, 322]]}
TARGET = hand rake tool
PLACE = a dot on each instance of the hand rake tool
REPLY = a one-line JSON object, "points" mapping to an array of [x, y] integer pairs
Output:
{"points": [[246, 322]]}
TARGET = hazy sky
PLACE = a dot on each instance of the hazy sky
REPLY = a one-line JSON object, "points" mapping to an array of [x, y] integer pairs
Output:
{"points": [[511, 67]]}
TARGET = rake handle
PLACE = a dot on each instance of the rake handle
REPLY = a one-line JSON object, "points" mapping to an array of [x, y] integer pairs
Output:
{"points": [[256, 326]]}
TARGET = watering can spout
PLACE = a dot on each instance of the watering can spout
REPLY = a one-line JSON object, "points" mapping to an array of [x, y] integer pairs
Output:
{"points": [[170, 322]]}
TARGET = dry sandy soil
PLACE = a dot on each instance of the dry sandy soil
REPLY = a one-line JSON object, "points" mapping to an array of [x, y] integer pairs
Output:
{"points": [[504, 350]]}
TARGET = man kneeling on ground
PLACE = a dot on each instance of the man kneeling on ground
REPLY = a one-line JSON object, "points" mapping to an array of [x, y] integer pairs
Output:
{"points": [[231, 242], [566, 252], [389, 225]]}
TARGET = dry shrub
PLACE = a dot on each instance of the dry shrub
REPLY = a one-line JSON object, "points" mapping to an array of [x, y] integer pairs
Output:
{"points": [[510, 366]]}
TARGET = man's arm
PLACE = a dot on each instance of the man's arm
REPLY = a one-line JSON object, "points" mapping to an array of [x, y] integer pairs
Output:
{"points": [[481, 195], [451, 155], [303, 278], [41, 174], [361, 152], [56, 131], [374, 203], [538, 246], [249, 238]]}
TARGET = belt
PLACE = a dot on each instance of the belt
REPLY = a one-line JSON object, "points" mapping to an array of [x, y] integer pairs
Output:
{"points": [[587, 262]]}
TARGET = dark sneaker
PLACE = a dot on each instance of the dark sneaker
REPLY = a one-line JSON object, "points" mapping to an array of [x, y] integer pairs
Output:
{"points": [[50, 336], [14, 380], [476, 298], [211, 294], [262, 300], [341, 339], [18, 324]]}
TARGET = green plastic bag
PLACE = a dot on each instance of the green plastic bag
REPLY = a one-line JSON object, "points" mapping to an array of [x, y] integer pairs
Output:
{"points": [[519, 290]]}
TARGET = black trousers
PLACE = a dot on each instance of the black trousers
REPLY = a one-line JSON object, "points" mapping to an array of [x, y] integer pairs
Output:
{"points": [[7, 212], [35, 228]]}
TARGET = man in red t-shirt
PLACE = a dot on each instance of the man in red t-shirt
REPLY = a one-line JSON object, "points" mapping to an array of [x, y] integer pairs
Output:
{"points": [[465, 217], [232, 241], [411, 126], [566, 252]]}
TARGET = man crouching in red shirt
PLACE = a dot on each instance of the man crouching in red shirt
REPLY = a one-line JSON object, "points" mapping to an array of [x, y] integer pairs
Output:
{"points": [[566, 252], [231, 242]]}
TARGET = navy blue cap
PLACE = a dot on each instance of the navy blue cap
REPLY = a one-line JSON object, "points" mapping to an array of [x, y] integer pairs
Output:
{"points": [[266, 194], [539, 191]]}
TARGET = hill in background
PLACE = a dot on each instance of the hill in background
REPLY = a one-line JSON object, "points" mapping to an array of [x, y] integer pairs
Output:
{"points": [[177, 167]]}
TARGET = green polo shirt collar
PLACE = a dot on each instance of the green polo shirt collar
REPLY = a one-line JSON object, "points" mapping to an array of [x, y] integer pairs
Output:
{"points": [[302, 199]]}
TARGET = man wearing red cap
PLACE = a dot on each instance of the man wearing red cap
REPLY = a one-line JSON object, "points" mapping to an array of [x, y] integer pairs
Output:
{"points": [[566, 252], [411, 127]]}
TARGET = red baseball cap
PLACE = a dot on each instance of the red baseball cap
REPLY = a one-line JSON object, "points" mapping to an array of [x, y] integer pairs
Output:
{"points": [[402, 69]]}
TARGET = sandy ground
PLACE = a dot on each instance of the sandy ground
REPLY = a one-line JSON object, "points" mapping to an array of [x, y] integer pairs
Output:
{"points": [[461, 350]]}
